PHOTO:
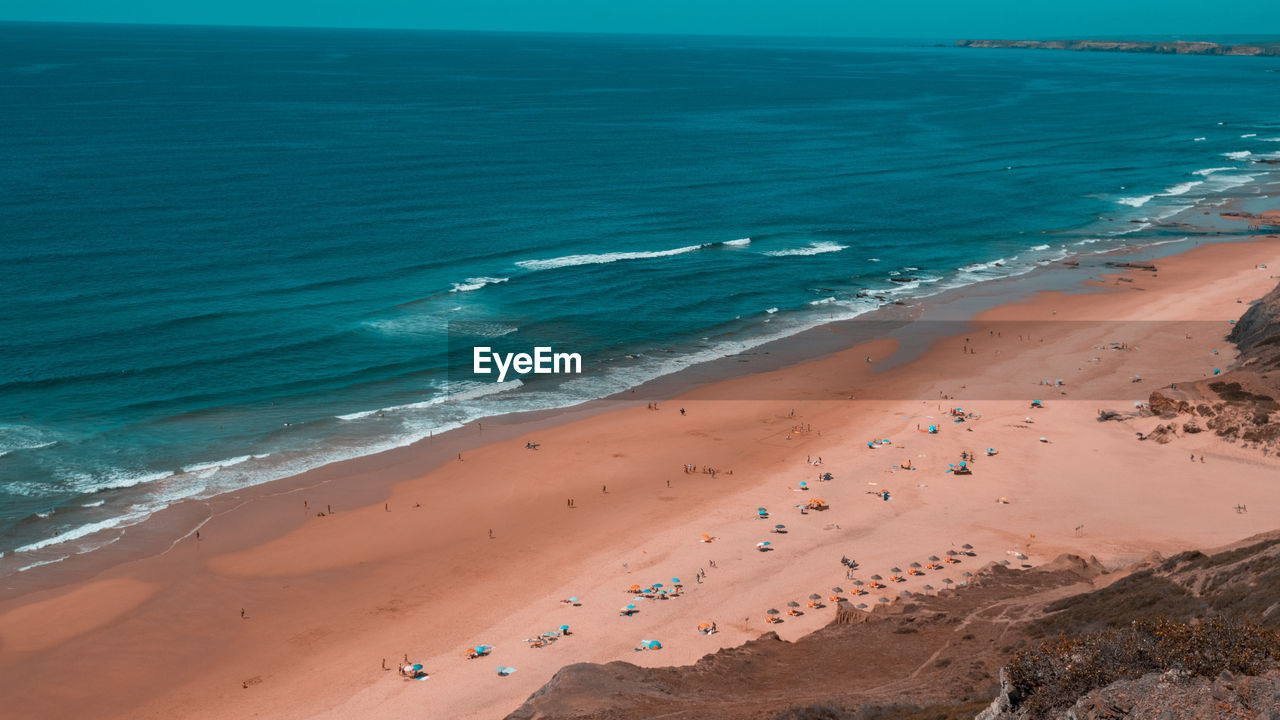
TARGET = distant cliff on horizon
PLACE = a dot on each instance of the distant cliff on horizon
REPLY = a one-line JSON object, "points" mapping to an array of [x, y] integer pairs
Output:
{"points": [[1176, 47]]}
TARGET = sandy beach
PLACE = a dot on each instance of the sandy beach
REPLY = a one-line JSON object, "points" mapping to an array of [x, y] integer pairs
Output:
{"points": [[279, 611]]}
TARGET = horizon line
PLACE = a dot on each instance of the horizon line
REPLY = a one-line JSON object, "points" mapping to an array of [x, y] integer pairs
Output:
{"points": [[639, 33]]}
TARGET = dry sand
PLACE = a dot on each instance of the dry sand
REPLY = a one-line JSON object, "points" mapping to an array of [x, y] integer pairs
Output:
{"points": [[327, 599]]}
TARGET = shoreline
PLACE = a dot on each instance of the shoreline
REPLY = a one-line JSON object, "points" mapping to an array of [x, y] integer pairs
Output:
{"points": [[791, 348], [394, 575], [178, 521]]}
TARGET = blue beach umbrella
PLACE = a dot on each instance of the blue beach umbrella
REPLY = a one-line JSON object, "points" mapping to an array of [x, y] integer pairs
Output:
{"points": [[573, 599], [631, 607], [564, 628]]}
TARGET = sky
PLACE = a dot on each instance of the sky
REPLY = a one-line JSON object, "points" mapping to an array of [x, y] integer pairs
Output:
{"points": [[853, 18]]}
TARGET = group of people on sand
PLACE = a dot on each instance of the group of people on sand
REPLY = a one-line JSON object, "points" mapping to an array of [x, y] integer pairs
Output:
{"points": [[690, 468]]}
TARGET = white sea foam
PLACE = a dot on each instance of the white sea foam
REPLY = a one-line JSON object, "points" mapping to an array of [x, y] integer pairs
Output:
{"points": [[1274, 139], [1040, 247], [1181, 188], [738, 243], [117, 480], [476, 283], [602, 258], [95, 503], [43, 515], [771, 310], [37, 564], [1249, 135], [823, 301], [1199, 139], [1238, 155], [200, 467], [471, 391], [83, 530], [1136, 201], [981, 267], [816, 248], [1212, 170]]}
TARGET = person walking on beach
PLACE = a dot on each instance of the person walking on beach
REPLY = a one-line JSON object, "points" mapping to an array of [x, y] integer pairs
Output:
{"points": [[490, 533], [242, 616], [681, 411]]}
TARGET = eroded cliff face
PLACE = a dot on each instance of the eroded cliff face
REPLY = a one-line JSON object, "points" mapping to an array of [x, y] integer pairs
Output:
{"points": [[1171, 48], [1240, 404]]}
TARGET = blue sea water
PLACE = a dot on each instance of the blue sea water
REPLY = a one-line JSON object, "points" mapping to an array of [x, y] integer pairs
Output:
{"points": [[230, 254]]}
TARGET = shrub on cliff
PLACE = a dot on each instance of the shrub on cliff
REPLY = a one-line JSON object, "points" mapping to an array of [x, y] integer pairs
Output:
{"points": [[1057, 672]]}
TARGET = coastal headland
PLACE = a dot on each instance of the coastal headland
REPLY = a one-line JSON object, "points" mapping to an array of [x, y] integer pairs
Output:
{"points": [[1171, 47]]}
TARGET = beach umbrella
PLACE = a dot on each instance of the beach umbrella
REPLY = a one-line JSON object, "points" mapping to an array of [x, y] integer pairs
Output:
{"points": [[564, 628], [966, 573], [837, 589], [858, 583], [573, 599], [631, 607], [876, 577], [905, 593], [815, 596], [896, 570], [1005, 562], [948, 581], [793, 604], [675, 581], [762, 511], [764, 544], [953, 553], [657, 585], [967, 546], [917, 566], [773, 611], [883, 600], [928, 587], [934, 558], [861, 606]]}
